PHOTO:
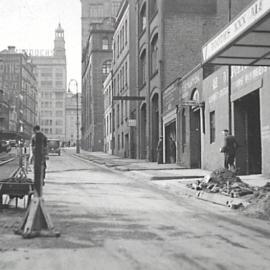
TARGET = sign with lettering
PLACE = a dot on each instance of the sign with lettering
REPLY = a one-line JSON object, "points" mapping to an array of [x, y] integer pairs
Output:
{"points": [[132, 122], [238, 26], [170, 98]]}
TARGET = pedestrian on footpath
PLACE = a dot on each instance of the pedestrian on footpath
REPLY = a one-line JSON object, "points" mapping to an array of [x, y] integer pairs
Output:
{"points": [[229, 149], [160, 151], [172, 150], [37, 132]]}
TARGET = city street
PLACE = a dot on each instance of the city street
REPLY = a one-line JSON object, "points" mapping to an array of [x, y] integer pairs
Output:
{"points": [[111, 221]]}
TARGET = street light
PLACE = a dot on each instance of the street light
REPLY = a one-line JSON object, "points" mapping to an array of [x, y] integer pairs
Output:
{"points": [[77, 109]]}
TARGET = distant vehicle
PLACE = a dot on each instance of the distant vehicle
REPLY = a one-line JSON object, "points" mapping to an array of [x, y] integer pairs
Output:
{"points": [[5, 146], [54, 146], [12, 143]]}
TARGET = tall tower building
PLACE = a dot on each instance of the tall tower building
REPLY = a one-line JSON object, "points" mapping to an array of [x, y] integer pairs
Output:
{"points": [[51, 74], [94, 11]]}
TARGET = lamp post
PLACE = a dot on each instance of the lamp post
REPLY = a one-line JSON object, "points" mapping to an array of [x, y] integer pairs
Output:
{"points": [[77, 110]]}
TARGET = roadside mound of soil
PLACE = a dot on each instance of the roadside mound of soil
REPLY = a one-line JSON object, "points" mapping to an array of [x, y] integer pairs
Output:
{"points": [[259, 203]]}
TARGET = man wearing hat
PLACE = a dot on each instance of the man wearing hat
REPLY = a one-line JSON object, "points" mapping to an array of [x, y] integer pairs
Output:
{"points": [[229, 149], [160, 150]]}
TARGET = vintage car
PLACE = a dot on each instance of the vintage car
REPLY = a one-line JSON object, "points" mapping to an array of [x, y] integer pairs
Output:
{"points": [[54, 146]]}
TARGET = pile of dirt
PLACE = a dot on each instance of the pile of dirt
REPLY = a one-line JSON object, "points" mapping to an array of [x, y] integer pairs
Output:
{"points": [[259, 203], [223, 181]]}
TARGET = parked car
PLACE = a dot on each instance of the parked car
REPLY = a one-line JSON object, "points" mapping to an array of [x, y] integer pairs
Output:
{"points": [[12, 143], [5, 146], [54, 146]]}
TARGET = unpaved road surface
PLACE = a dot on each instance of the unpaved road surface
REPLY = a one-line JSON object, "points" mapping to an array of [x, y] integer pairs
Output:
{"points": [[110, 221]]}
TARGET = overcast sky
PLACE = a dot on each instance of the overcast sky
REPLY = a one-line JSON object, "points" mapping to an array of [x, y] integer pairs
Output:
{"points": [[30, 24]]}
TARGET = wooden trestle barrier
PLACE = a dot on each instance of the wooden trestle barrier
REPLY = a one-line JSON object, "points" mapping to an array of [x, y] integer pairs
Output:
{"points": [[37, 221]]}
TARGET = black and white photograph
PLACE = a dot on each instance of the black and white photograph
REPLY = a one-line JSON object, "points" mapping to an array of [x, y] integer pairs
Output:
{"points": [[135, 134]]}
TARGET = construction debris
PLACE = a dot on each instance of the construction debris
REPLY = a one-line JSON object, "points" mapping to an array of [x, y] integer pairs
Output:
{"points": [[259, 203], [223, 181]]}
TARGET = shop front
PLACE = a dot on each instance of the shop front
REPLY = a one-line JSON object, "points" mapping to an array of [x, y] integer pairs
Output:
{"points": [[191, 120], [170, 107], [237, 96]]}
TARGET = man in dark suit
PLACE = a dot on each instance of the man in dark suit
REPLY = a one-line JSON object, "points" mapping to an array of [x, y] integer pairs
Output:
{"points": [[39, 140], [229, 150]]}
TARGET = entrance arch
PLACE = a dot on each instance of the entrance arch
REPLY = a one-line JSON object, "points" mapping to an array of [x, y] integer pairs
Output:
{"points": [[195, 131], [155, 125], [143, 135]]}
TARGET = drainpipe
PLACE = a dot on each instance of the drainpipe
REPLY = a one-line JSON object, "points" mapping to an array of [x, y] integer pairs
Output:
{"points": [[230, 79]]}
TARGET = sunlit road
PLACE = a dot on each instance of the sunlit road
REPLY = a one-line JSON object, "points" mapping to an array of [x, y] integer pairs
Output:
{"points": [[108, 221]]}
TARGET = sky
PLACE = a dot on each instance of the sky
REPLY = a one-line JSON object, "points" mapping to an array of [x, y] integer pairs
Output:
{"points": [[30, 24]]}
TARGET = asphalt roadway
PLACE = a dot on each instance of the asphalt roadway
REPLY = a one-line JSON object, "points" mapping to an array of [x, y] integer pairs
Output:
{"points": [[109, 220]]}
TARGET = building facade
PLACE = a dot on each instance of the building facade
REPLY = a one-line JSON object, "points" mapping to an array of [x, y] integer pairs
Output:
{"points": [[96, 62], [52, 83], [169, 38], [94, 11], [108, 115], [72, 118], [124, 82], [19, 88]]}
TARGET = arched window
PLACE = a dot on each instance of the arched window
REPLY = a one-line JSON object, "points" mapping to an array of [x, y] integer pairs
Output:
{"points": [[153, 6], [154, 54], [142, 75], [142, 19], [183, 130], [106, 68]]}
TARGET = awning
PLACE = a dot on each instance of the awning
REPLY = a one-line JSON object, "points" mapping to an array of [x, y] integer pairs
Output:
{"points": [[244, 41]]}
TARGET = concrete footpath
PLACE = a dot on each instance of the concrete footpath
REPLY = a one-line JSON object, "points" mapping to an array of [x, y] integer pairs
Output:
{"points": [[170, 176]]}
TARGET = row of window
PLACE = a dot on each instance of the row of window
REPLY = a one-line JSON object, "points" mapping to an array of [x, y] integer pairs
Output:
{"points": [[120, 41], [46, 113], [50, 104], [49, 122], [120, 80], [49, 131], [154, 61]]}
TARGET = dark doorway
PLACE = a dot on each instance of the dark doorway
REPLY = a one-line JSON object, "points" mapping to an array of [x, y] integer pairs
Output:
{"points": [[126, 153], [155, 126], [170, 149], [143, 136], [248, 133], [195, 137]]}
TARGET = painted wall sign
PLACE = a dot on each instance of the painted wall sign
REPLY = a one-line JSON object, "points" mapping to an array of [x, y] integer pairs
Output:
{"points": [[238, 26], [170, 98]]}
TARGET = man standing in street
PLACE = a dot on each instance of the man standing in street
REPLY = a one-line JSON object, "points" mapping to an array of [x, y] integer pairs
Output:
{"points": [[229, 150], [40, 137]]}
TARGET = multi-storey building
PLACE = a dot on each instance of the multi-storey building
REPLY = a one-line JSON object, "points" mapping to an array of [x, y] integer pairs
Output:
{"points": [[108, 115], [124, 81], [72, 118], [94, 11], [52, 83], [19, 88], [170, 35], [96, 66], [4, 113]]}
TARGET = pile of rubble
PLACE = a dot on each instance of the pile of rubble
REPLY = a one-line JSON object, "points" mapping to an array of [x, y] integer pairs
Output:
{"points": [[223, 181], [259, 203]]}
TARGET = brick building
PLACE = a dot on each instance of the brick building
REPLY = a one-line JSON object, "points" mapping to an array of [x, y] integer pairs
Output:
{"points": [[19, 86], [124, 81], [94, 11], [169, 38], [96, 65], [51, 73]]}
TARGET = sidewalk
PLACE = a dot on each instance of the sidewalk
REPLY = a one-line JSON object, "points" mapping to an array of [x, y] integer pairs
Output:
{"points": [[153, 171], [177, 177]]}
